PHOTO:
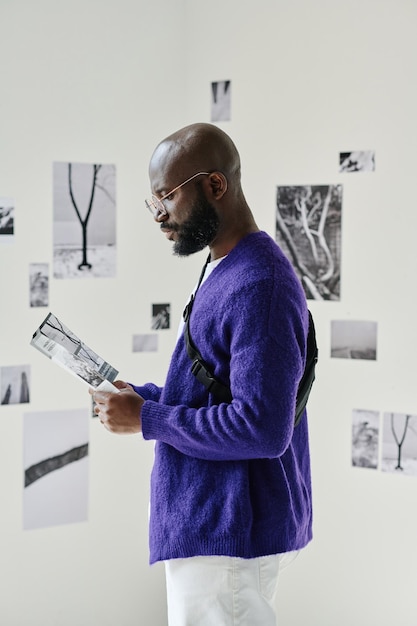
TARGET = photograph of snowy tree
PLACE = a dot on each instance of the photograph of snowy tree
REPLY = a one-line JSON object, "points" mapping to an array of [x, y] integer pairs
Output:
{"points": [[399, 448], [308, 229], [84, 228]]}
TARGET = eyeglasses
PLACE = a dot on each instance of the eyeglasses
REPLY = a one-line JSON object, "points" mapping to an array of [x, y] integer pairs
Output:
{"points": [[156, 205]]}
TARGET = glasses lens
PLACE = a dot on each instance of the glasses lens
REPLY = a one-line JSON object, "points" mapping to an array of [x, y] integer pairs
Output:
{"points": [[151, 207], [156, 207]]}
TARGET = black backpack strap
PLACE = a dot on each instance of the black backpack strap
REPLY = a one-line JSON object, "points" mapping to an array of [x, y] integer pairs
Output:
{"points": [[221, 392], [199, 367], [307, 380]]}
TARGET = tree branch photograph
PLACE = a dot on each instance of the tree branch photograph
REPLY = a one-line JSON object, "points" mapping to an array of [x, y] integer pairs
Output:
{"points": [[399, 448], [84, 215], [308, 229]]}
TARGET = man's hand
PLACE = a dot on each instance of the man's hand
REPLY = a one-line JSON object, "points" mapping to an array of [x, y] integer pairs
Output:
{"points": [[119, 412]]}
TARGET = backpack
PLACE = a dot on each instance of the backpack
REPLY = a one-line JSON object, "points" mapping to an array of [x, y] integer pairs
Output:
{"points": [[221, 392]]}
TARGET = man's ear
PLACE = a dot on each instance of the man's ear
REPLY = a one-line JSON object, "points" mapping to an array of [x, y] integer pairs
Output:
{"points": [[218, 184]]}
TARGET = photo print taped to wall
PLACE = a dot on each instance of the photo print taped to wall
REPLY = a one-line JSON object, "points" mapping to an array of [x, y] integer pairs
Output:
{"points": [[6, 220], [399, 444], [221, 101], [161, 316], [38, 284], [365, 438], [15, 384], [354, 339], [56, 468], [84, 214], [308, 229], [359, 161]]}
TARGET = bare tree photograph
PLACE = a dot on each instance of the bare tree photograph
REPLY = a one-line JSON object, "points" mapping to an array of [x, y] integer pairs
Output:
{"points": [[399, 447], [221, 101], [6, 219], [38, 284], [353, 340], [55, 462], [15, 384], [359, 161], [365, 438], [308, 229], [161, 318], [84, 228]]}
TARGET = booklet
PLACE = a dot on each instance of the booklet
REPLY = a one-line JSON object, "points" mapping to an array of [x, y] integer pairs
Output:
{"points": [[62, 346]]}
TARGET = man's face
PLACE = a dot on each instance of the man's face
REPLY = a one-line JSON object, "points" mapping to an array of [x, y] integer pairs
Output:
{"points": [[197, 230]]}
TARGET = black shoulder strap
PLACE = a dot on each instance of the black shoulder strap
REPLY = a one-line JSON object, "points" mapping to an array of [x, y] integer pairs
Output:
{"points": [[199, 367], [220, 391], [307, 379]]}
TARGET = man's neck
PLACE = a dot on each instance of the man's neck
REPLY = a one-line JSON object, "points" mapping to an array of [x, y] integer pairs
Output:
{"points": [[221, 246]]}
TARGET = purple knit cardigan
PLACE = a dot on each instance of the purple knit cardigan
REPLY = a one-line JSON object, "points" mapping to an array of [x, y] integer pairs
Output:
{"points": [[234, 479]]}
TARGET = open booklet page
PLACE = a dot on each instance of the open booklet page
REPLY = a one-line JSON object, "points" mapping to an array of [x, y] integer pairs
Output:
{"points": [[62, 346]]}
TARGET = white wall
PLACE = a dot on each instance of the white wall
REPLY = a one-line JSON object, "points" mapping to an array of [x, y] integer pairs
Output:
{"points": [[311, 79], [85, 82], [103, 82]]}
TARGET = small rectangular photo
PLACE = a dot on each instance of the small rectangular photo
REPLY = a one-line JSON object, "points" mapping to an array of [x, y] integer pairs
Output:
{"points": [[353, 340], [359, 161], [161, 317], [365, 438], [399, 447], [15, 384], [221, 101], [6, 219], [38, 284], [145, 343]]}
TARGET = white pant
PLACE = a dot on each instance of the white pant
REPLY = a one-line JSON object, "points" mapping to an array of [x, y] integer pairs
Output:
{"points": [[223, 591]]}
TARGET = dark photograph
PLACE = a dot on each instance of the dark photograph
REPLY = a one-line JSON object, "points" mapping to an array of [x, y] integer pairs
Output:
{"points": [[161, 318]]}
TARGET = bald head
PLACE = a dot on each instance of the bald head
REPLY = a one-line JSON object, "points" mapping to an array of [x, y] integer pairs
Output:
{"points": [[214, 199], [197, 148]]}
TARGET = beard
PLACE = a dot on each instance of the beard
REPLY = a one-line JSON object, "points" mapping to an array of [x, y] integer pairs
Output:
{"points": [[199, 230]]}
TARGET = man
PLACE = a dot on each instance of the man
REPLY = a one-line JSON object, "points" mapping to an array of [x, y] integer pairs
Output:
{"points": [[230, 487]]}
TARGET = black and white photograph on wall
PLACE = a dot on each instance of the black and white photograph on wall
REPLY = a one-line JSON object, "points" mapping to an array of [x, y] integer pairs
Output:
{"points": [[399, 444], [161, 318], [38, 284], [55, 463], [6, 219], [15, 384], [354, 339], [365, 438], [308, 229], [221, 101], [145, 343], [359, 161], [84, 220]]}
